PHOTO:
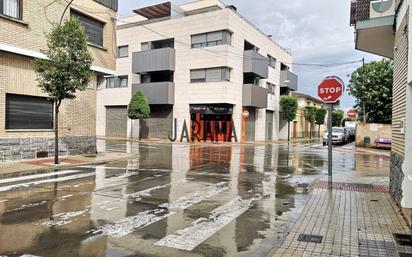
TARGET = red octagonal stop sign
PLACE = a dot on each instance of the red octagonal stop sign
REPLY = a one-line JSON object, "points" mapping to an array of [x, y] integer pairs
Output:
{"points": [[351, 114], [331, 89]]}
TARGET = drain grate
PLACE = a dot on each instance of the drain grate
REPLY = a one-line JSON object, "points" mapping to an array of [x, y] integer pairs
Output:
{"points": [[310, 238], [352, 187], [403, 239]]}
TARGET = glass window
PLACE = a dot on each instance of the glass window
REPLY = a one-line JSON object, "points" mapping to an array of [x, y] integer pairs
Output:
{"points": [[92, 27], [145, 46], [211, 39], [272, 61], [10, 8], [117, 82], [28, 112], [210, 75], [122, 51]]}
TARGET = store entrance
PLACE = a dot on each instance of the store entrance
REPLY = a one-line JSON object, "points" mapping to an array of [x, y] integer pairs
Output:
{"points": [[211, 123]]}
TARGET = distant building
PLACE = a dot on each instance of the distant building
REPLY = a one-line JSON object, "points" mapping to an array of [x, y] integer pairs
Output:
{"points": [[301, 128], [201, 64], [26, 116], [382, 28]]}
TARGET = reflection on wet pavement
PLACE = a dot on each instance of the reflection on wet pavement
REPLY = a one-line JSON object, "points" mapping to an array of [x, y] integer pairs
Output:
{"points": [[169, 200]]}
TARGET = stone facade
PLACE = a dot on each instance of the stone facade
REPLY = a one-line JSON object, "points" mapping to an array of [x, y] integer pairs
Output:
{"points": [[396, 176], [14, 149]]}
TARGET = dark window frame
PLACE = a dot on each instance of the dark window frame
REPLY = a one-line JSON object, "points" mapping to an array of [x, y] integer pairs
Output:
{"points": [[116, 80], [82, 17], [213, 42], [223, 77], [19, 13], [15, 107], [114, 4], [118, 51]]}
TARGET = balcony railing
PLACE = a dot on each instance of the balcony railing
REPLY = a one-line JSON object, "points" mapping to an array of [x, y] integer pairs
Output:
{"points": [[255, 63], [360, 11], [255, 96], [162, 59], [157, 92], [368, 9], [289, 79]]}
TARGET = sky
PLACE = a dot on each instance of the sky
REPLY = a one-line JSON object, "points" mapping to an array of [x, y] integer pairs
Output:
{"points": [[316, 31]]}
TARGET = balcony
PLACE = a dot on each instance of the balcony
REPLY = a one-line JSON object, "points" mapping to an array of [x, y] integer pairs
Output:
{"points": [[373, 22], [162, 59], [255, 63], [288, 80], [158, 92], [254, 96]]}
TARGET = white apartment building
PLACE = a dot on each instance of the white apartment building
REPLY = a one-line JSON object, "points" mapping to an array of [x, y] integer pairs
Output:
{"points": [[201, 65]]}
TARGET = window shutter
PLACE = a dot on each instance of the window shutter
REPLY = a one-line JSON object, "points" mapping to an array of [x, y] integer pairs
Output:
{"points": [[28, 112], [92, 27], [213, 75], [123, 51], [197, 39], [215, 36], [197, 74]]}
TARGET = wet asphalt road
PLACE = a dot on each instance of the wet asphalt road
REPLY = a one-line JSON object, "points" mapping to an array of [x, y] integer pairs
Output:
{"points": [[168, 200]]}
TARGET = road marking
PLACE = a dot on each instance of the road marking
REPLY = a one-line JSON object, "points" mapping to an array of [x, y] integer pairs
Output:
{"points": [[7, 188], [56, 173], [202, 229], [130, 224]]}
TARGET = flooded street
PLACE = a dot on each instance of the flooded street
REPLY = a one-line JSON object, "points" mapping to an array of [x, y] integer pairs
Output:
{"points": [[170, 200]]}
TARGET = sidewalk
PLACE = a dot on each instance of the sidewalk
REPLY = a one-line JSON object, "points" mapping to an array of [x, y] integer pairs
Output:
{"points": [[25, 167], [352, 220]]}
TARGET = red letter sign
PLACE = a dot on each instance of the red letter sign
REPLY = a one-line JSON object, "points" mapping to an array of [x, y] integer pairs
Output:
{"points": [[330, 90]]}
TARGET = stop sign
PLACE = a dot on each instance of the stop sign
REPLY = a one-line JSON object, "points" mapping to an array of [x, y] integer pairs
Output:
{"points": [[351, 114], [330, 90]]}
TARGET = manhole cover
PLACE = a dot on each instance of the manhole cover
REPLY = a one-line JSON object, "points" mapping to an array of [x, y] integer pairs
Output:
{"points": [[310, 238], [403, 239]]}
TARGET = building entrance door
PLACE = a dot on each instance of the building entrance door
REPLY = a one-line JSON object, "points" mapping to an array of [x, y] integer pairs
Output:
{"points": [[213, 123]]}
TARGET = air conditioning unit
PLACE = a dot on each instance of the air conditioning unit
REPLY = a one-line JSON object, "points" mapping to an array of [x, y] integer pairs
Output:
{"points": [[382, 8]]}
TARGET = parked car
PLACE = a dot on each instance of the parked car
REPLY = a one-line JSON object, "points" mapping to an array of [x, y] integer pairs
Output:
{"points": [[339, 136], [351, 126]]}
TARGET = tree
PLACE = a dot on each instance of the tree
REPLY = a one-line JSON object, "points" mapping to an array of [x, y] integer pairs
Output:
{"points": [[371, 85], [66, 69], [310, 115], [138, 108], [337, 117], [320, 118], [288, 110]]}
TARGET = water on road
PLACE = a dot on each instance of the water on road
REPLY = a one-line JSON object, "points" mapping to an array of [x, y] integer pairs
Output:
{"points": [[168, 200]]}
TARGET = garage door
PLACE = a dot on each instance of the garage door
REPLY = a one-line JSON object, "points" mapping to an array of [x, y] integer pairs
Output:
{"points": [[116, 121], [269, 125], [160, 122]]}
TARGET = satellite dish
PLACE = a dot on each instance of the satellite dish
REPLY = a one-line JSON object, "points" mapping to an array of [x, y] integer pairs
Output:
{"points": [[382, 6]]}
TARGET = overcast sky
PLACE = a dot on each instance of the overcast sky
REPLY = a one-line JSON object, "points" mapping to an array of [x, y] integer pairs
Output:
{"points": [[317, 31]]}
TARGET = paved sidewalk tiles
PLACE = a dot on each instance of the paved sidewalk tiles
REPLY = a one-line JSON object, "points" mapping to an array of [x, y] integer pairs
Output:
{"points": [[354, 220]]}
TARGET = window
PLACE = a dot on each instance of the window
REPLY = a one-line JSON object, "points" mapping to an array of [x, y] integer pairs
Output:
{"points": [[272, 61], [11, 8], [112, 4], [210, 75], [28, 112], [92, 27], [271, 88], [117, 82], [145, 46], [122, 51], [211, 39]]}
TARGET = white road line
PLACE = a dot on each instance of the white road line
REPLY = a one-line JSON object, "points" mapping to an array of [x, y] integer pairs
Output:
{"points": [[143, 219], [56, 173], [188, 238], [7, 188]]}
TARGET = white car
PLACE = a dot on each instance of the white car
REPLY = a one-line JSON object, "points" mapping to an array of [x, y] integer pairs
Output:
{"points": [[339, 136]]}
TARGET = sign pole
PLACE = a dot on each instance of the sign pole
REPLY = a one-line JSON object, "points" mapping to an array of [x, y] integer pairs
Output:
{"points": [[330, 111]]}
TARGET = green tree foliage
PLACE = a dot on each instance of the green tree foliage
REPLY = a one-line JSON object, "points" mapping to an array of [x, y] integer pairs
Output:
{"points": [[320, 118], [371, 85], [310, 115], [67, 69], [139, 107], [337, 117], [288, 110]]}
